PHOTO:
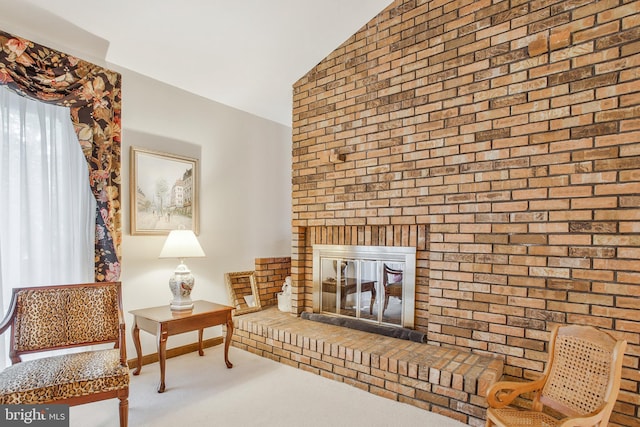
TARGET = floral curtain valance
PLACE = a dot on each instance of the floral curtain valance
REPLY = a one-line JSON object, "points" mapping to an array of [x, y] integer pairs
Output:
{"points": [[93, 95]]}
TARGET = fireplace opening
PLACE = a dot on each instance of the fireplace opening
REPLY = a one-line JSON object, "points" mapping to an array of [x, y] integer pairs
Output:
{"points": [[371, 283]]}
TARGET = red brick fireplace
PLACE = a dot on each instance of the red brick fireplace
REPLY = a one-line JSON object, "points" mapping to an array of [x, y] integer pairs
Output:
{"points": [[502, 139]]}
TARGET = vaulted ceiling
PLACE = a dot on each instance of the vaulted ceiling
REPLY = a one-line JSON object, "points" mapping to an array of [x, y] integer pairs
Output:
{"points": [[244, 54]]}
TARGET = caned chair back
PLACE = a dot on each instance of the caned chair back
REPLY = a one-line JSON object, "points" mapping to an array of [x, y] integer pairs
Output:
{"points": [[581, 370]]}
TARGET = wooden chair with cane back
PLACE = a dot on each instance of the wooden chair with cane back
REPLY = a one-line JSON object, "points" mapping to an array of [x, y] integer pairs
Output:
{"points": [[578, 387]]}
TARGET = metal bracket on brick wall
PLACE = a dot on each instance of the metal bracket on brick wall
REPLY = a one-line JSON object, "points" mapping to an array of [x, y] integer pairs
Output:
{"points": [[336, 157]]}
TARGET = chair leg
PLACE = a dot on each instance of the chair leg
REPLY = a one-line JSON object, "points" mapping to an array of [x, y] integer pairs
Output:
{"points": [[124, 411]]}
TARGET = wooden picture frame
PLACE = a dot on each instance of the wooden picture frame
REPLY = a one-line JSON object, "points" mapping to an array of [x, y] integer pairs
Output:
{"points": [[243, 290], [163, 192]]}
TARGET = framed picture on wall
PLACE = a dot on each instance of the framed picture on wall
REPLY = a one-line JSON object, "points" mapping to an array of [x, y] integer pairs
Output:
{"points": [[163, 192]]}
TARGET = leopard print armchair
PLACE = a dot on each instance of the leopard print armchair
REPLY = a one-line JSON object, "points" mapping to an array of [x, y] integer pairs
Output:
{"points": [[67, 316]]}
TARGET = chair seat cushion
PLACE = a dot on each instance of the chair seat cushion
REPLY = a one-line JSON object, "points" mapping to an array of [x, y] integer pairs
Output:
{"points": [[517, 417], [61, 377]]}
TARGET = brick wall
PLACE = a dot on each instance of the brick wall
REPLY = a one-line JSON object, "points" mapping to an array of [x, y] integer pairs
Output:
{"points": [[511, 129], [270, 274]]}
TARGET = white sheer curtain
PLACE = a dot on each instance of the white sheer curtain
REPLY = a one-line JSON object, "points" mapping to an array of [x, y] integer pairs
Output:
{"points": [[47, 219]]}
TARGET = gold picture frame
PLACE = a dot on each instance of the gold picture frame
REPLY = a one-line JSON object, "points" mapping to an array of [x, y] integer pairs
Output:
{"points": [[243, 292], [163, 192]]}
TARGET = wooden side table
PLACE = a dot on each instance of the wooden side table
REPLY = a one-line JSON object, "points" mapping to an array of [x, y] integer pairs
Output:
{"points": [[163, 322]]}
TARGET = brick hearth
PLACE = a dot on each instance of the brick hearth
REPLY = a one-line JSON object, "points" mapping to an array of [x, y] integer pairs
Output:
{"points": [[439, 379]]}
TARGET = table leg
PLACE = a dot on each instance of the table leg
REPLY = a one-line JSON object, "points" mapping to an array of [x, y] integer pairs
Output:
{"points": [[227, 341], [373, 298], [200, 348], [162, 356], [135, 332]]}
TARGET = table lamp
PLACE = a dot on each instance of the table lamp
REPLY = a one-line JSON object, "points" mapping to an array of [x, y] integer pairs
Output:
{"points": [[181, 244]]}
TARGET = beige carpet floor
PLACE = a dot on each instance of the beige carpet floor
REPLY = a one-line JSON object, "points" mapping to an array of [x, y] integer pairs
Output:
{"points": [[257, 391]]}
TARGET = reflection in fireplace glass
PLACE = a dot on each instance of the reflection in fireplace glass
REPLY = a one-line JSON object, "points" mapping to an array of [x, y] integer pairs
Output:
{"points": [[370, 283], [363, 289]]}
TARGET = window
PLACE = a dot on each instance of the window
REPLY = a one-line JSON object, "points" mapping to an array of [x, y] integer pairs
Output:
{"points": [[47, 223]]}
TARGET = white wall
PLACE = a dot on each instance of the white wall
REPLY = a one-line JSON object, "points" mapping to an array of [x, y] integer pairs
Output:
{"points": [[245, 180], [245, 188]]}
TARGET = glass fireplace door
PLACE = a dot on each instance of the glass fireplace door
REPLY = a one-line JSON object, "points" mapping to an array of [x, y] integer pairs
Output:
{"points": [[349, 288], [358, 285]]}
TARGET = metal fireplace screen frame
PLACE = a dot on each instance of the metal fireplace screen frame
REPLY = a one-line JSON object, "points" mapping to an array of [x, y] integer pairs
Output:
{"points": [[380, 255]]}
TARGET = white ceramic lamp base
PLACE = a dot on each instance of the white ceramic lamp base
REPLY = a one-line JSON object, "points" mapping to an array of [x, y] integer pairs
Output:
{"points": [[181, 285]]}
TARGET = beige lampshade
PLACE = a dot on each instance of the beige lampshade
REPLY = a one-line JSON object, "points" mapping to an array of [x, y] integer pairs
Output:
{"points": [[181, 244]]}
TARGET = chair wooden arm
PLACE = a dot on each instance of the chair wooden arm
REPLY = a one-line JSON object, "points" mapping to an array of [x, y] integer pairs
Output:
{"points": [[122, 344], [503, 393], [8, 318], [122, 335]]}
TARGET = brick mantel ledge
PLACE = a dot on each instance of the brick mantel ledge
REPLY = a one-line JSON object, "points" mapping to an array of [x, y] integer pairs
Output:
{"points": [[438, 379]]}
